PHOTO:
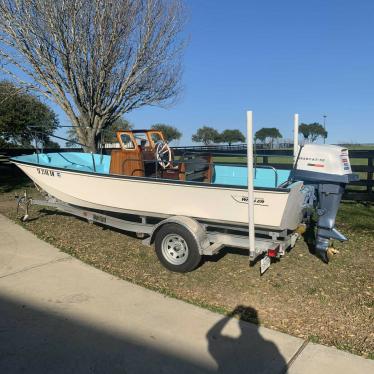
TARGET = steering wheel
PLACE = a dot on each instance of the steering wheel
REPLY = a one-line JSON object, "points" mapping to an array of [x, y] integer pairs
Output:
{"points": [[163, 154]]}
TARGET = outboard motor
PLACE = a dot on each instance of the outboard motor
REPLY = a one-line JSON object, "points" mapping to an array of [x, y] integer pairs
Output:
{"points": [[328, 170]]}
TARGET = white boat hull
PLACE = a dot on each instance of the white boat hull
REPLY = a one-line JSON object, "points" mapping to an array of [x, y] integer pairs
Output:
{"points": [[277, 209]]}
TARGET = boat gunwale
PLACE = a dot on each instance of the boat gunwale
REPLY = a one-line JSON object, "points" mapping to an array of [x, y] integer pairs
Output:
{"points": [[153, 180]]}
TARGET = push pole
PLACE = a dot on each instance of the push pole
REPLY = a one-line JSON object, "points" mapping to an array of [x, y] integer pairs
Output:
{"points": [[295, 136], [251, 223]]}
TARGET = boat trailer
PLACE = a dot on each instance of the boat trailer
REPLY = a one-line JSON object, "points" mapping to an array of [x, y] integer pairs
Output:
{"points": [[175, 236], [181, 241]]}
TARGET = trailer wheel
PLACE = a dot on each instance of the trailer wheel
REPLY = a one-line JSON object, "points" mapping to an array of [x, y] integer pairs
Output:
{"points": [[176, 248]]}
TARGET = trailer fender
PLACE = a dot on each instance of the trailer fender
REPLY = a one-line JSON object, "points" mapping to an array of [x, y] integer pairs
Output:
{"points": [[193, 226]]}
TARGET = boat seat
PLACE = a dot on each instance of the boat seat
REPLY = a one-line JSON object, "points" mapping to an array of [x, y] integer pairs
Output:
{"points": [[196, 169], [127, 162]]}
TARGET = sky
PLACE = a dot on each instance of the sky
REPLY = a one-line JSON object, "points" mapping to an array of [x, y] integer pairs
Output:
{"points": [[276, 58]]}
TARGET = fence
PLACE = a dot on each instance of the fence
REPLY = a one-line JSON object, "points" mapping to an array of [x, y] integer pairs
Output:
{"points": [[361, 160], [361, 163], [236, 148]]}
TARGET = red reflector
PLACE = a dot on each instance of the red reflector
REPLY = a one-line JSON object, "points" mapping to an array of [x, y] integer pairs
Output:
{"points": [[273, 252]]}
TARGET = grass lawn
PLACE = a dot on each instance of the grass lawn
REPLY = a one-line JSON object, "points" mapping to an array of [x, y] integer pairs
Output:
{"points": [[330, 304]]}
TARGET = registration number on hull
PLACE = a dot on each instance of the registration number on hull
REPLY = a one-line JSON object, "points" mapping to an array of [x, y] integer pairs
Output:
{"points": [[48, 172]]}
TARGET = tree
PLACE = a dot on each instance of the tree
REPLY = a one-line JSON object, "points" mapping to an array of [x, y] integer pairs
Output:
{"points": [[270, 133], [24, 117], [232, 136], [108, 134], [51, 144], [312, 131], [206, 135], [261, 135], [316, 131], [170, 132], [96, 59], [304, 130]]}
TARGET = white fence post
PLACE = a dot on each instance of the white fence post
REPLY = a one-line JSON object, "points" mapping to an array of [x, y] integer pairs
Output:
{"points": [[251, 223]]}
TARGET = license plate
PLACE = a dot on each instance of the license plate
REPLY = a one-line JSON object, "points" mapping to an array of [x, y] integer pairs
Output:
{"points": [[264, 264]]}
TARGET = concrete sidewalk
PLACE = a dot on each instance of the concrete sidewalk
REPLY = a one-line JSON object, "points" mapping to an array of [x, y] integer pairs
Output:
{"points": [[60, 315]]}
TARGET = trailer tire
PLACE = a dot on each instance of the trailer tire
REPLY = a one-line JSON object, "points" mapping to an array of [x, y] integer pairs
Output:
{"points": [[176, 248]]}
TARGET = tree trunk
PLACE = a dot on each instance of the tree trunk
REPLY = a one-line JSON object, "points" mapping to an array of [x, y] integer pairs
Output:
{"points": [[87, 137], [91, 144]]}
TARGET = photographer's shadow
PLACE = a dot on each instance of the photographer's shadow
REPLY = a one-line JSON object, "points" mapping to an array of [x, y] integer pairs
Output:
{"points": [[247, 353]]}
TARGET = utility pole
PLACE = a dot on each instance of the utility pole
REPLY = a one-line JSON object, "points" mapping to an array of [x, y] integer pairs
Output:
{"points": [[324, 126]]}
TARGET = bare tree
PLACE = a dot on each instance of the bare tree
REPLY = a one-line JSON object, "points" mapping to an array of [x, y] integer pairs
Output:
{"points": [[97, 59], [11, 91]]}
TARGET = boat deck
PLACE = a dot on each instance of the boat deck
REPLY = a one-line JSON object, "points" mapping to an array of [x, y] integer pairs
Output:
{"points": [[223, 174]]}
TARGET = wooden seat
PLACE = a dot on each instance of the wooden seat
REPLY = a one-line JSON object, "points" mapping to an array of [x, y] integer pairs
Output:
{"points": [[129, 162], [197, 169]]}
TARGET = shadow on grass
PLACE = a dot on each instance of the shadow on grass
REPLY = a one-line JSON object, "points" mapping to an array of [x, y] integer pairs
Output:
{"points": [[225, 251], [309, 237], [11, 179], [48, 212], [310, 240]]}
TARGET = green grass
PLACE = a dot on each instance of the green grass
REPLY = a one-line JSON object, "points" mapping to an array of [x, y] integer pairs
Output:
{"points": [[313, 339]]}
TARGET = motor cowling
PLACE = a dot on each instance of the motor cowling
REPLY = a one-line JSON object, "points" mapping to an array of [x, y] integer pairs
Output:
{"points": [[328, 169]]}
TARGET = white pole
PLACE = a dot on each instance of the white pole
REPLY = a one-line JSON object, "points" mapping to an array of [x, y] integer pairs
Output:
{"points": [[251, 225], [295, 136]]}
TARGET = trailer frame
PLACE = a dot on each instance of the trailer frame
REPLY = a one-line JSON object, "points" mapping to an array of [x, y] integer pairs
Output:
{"points": [[210, 238]]}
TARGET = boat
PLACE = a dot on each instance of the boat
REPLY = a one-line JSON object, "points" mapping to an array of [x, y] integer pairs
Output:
{"points": [[133, 180], [144, 178]]}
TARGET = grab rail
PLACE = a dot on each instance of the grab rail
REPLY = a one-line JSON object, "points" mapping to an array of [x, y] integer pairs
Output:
{"points": [[93, 162], [275, 172], [61, 138]]}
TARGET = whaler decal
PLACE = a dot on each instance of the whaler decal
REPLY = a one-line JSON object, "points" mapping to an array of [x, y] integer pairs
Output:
{"points": [[48, 172], [244, 199]]}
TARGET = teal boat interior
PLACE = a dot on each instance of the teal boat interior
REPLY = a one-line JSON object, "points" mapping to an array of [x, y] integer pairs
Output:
{"points": [[221, 173]]}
